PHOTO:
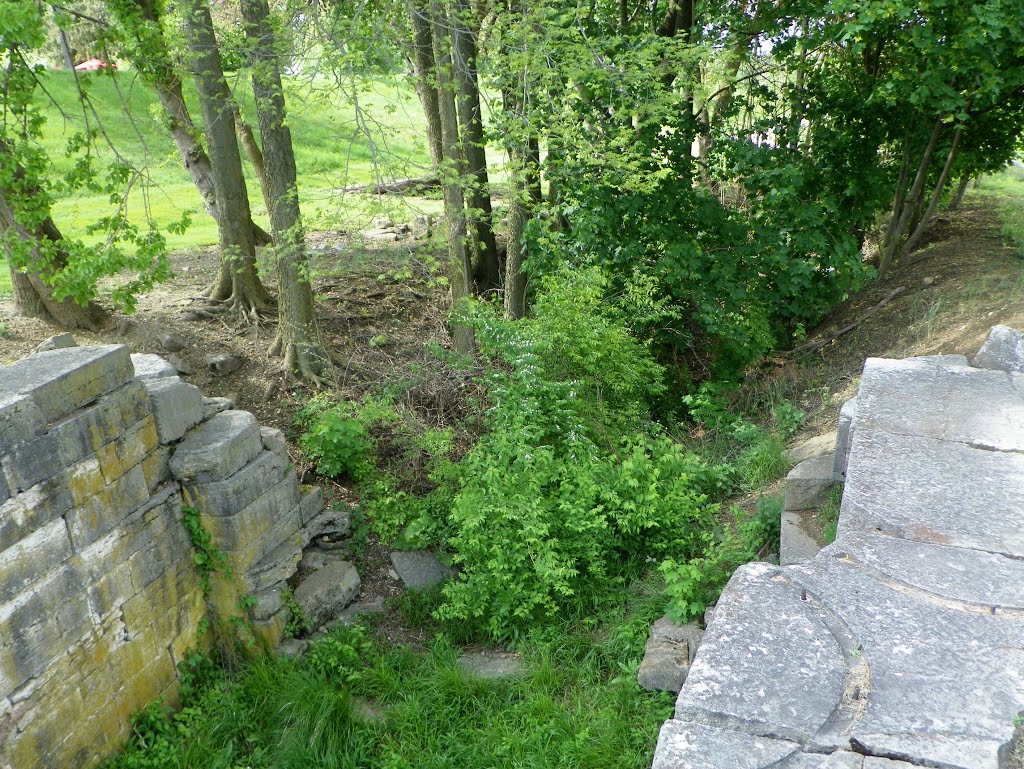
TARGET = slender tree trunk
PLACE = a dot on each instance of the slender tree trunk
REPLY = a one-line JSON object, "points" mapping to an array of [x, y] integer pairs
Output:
{"points": [[454, 203], [940, 185], [524, 164], [898, 197], [247, 139], [486, 269], [33, 296], [298, 334], [145, 22], [239, 284], [426, 77], [912, 202], [958, 196]]}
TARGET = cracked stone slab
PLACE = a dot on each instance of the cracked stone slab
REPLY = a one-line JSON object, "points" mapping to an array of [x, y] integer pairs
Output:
{"points": [[950, 403], [808, 483], [945, 679], [768, 659], [957, 574], [934, 491], [685, 745]]}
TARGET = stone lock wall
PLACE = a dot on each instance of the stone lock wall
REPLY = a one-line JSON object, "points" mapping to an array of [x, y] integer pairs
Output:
{"points": [[99, 598]]}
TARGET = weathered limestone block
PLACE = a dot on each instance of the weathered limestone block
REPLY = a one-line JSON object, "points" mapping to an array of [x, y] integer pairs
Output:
{"points": [[20, 419], [324, 593], [156, 468], [39, 625], [62, 381], [275, 567], [797, 542], [150, 366], [1003, 350], [98, 512], [24, 513], [163, 606], [330, 521], [808, 483], [235, 493], [684, 745], [70, 440], [249, 525], [273, 440], [177, 406], [213, 406], [5, 490], [268, 603], [27, 560], [812, 447], [767, 660], [135, 444], [667, 657], [217, 448], [844, 439]]}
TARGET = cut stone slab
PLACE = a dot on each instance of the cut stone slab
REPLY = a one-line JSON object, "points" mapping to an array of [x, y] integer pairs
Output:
{"points": [[219, 447], [149, 366], [353, 611], [767, 660], [489, 665], [683, 745], [951, 403], [817, 446], [953, 573], [797, 542], [1003, 350], [944, 678], [844, 439], [62, 381], [808, 483], [177, 406], [419, 569], [670, 649], [928, 490], [326, 592]]}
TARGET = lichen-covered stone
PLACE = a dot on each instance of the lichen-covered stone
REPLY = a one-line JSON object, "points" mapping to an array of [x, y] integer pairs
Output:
{"points": [[219, 447], [177, 406], [62, 381], [233, 494]]}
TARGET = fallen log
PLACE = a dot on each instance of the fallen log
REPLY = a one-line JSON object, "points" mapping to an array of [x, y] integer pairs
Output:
{"points": [[397, 187]]}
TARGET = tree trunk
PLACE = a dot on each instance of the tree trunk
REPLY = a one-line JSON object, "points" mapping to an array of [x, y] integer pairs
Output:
{"points": [[911, 203], [524, 165], [940, 185], [426, 77], [486, 270], [158, 70], [247, 139], [454, 204], [33, 297], [298, 335], [239, 284], [961, 190]]}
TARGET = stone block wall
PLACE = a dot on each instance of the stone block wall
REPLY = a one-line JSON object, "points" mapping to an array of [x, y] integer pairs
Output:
{"points": [[99, 597]]}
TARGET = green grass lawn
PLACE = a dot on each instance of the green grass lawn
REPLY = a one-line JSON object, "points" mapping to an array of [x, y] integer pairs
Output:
{"points": [[365, 131]]}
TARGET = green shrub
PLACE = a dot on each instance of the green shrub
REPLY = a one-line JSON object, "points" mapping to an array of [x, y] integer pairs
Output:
{"points": [[338, 444], [571, 489]]}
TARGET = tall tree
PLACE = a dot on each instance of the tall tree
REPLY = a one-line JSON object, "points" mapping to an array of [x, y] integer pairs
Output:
{"points": [[486, 270], [140, 39], [298, 335], [238, 285]]}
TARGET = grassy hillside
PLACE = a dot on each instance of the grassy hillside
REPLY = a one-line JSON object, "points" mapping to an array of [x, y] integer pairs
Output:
{"points": [[373, 129]]}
